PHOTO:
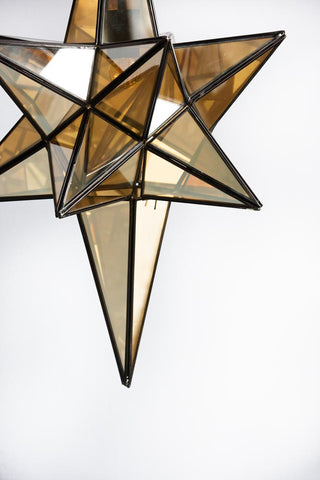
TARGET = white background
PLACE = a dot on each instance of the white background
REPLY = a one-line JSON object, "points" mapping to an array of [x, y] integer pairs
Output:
{"points": [[227, 383]]}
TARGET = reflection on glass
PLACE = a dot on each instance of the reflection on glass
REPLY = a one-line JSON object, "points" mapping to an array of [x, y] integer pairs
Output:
{"points": [[126, 20], [69, 67], [201, 64], [29, 178], [170, 97], [46, 107], [19, 140], [107, 229]]}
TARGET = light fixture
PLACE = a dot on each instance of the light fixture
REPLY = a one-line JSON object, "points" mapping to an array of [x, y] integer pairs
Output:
{"points": [[117, 124]]}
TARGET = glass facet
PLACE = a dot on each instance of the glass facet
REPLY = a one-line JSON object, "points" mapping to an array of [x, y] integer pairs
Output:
{"points": [[170, 97], [185, 141], [19, 140], [61, 151], [102, 146], [67, 67], [46, 107], [107, 230], [129, 103], [30, 178], [213, 105], [200, 64], [83, 22], [164, 179], [111, 62], [150, 223], [126, 20], [114, 188]]}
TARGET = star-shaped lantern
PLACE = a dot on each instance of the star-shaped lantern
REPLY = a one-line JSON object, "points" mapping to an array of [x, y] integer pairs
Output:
{"points": [[117, 124]]}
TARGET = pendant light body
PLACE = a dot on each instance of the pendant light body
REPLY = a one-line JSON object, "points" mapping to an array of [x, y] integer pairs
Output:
{"points": [[116, 125]]}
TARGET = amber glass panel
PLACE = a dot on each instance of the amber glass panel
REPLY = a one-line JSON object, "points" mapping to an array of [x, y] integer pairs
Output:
{"points": [[19, 140], [170, 96], [117, 186], [150, 223], [107, 230], [46, 107], [102, 145], [126, 20], [83, 21], [213, 105], [111, 62], [31, 177], [129, 103], [164, 179], [185, 141], [61, 150], [200, 64]]}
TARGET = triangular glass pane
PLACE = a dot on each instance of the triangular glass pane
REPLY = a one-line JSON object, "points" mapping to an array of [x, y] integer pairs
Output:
{"points": [[200, 64], [185, 141], [102, 146], [21, 138], [150, 223], [116, 187], [170, 97], [83, 22], [111, 62], [213, 105], [29, 178], [107, 231], [67, 67], [126, 20], [61, 150], [46, 107], [129, 103], [164, 179]]}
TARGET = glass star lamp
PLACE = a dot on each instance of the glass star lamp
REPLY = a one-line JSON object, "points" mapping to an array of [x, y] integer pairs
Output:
{"points": [[116, 125]]}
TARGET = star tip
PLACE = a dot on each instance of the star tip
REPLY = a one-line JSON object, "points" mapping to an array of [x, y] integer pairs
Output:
{"points": [[126, 382]]}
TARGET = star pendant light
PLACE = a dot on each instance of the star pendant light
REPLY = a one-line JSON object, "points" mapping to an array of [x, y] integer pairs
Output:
{"points": [[116, 125]]}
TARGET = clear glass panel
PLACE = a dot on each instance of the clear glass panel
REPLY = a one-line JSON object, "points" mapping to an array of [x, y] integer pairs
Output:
{"points": [[102, 145], [107, 230], [68, 68], [61, 150], [166, 180], [201, 64], [129, 103], [126, 20], [170, 96], [185, 141], [213, 105], [46, 107], [83, 21], [31, 177], [111, 62], [117, 186], [150, 223], [19, 140]]}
